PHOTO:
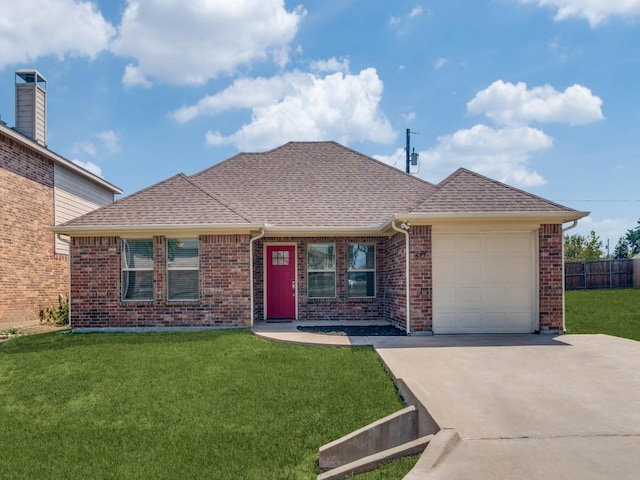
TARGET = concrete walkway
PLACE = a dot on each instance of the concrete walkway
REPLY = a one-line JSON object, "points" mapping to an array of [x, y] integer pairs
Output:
{"points": [[525, 406]]}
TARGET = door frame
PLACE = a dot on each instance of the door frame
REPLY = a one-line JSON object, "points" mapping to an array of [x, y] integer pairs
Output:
{"points": [[264, 272]]}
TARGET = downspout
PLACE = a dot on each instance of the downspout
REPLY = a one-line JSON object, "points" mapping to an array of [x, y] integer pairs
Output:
{"points": [[407, 293], [68, 242], [253, 239], [573, 225]]}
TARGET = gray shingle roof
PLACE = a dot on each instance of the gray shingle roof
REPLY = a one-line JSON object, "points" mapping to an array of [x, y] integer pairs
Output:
{"points": [[310, 184], [313, 184], [467, 191], [175, 201]]}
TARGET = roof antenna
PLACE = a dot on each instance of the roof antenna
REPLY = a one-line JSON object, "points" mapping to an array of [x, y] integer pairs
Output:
{"points": [[412, 156]]}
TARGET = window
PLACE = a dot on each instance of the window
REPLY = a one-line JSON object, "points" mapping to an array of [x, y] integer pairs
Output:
{"points": [[137, 269], [182, 269], [321, 270], [361, 273]]}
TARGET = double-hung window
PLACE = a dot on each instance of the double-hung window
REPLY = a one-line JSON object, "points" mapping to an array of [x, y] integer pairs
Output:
{"points": [[137, 269], [361, 271], [182, 269], [321, 270]]}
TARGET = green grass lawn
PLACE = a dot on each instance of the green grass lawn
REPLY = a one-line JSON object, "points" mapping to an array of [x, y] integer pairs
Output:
{"points": [[614, 312], [218, 405]]}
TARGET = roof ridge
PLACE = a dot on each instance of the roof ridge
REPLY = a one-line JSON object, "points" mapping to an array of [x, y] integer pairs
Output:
{"points": [[217, 199], [515, 189]]}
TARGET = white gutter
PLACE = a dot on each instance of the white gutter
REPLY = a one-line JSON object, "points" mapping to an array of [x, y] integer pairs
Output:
{"points": [[407, 292], [573, 225], [68, 242], [543, 216], [253, 239]]}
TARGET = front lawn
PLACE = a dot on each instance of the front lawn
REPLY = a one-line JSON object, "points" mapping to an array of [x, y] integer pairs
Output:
{"points": [[222, 405], [614, 312]]}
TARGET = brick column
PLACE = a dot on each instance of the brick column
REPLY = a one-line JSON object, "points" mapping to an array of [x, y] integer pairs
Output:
{"points": [[420, 279], [551, 293]]}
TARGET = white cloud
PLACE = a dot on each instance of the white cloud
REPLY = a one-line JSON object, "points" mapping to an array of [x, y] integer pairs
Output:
{"points": [[300, 106], [415, 11], [89, 166], [394, 20], [439, 63], [133, 77], [110, 141], [409, 117], [332, 64], [34, 28], [506, 103], [191, 42], [607, 228], [503, 154], [594, 11]]}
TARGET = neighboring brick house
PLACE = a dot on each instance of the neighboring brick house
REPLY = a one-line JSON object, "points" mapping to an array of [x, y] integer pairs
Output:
{"points": [[38, 189], [315, 231]]}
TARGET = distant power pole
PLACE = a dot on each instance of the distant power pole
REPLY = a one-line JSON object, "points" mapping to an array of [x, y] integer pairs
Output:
{"points": [[412, 157]]}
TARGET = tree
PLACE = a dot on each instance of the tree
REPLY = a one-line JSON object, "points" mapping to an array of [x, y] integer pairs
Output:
{"points": [[628, 244], [622, 249], [580, 248], [573, 247], [593, 247], [633, 238]]}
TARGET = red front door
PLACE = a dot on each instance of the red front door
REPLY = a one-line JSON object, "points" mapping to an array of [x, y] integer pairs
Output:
{"points": [[281, 281]]}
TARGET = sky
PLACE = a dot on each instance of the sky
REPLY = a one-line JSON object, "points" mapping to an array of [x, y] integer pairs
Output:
{"points": [[541, 94]]}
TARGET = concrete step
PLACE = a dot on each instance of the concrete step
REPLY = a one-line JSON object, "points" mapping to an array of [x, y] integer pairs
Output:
{"points": [[372, 462]]}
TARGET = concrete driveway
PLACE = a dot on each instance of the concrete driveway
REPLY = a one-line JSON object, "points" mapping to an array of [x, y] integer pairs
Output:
{"points": [[527, 406]]}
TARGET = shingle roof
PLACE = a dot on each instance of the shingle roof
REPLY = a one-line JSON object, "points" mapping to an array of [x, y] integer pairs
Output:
{"points": [[175, 201], [310, 184], [313, 184], [467, 191]]}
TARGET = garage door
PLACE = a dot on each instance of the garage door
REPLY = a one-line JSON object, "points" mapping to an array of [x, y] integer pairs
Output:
{"points": [[483, 282]]}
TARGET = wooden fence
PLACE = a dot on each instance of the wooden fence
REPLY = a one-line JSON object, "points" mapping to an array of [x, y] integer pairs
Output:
{"points": [[598, 274]]}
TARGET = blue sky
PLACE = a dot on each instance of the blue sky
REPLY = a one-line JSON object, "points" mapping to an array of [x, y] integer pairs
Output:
{"points": [[541, 94]]}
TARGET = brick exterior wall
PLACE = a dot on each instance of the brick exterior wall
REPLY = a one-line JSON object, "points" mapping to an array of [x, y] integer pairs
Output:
{"points": [[31, 274], [421, 279], [550, 278], [223, 282], [318, 309], [395, 306]]}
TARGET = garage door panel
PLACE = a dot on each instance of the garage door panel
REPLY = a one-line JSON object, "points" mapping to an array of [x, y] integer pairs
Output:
{"points": [[484, 282], [494, 320], [519, 244], [494, 295], [520, 297], [469, 320], [468, 273], [470, 295], [468, 244], [495, 271]]}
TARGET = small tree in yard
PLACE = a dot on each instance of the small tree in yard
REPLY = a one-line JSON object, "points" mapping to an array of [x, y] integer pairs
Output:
{"points": [[629, 244], [580, 248]]}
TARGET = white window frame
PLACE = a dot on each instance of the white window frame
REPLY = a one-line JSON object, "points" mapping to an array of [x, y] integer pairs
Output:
{"points": [[364, 270], [177, 269], [124, 268], [322, 270]]}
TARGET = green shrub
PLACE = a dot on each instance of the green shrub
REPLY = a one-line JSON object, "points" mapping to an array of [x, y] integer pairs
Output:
{"points": [[58, 315]]}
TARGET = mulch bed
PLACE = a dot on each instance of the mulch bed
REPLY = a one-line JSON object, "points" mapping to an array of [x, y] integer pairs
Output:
{"points": [[354, 331]]}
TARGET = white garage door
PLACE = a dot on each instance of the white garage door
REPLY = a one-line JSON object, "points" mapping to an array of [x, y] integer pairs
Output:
{"points": [[483, 282]]}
